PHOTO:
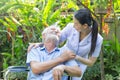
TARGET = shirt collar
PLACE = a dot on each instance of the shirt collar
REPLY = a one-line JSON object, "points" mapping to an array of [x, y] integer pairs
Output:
{"points": [[86, 40], [55, 49]]}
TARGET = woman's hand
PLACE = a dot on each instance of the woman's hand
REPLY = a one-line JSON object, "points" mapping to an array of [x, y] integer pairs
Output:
{"points": [[33, 45], [67, 55], [56, 31], [58, 72]]}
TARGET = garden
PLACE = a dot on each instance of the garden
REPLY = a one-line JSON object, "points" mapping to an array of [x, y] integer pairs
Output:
{"points": [[22, 21]]}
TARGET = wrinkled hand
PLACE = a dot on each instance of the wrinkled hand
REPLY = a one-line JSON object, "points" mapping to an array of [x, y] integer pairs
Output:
{"points": [[67, 55], [33, 45], [58, 71], [77, 57]]}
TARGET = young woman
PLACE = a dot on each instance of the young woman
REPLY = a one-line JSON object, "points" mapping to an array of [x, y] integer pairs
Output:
{"points": [[83, 38]]}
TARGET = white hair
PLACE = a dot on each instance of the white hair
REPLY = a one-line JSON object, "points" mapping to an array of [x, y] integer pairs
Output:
{"points": [[49, 30]]}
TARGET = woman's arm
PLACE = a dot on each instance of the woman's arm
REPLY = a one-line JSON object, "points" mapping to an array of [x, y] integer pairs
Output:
{"points": [[89, 62], [92, 59], [61, 34]]}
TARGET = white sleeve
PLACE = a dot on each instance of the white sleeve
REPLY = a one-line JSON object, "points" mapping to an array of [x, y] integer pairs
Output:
{"points": [[32, 56]]}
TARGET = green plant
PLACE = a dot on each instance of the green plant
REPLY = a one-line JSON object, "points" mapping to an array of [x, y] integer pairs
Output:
{"points": [[111, 57], [92, 73], [24, 23], [108, 77], [17, 76]]}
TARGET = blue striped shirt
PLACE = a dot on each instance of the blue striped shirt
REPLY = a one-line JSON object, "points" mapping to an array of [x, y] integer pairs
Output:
{"points": [[40, 54]]}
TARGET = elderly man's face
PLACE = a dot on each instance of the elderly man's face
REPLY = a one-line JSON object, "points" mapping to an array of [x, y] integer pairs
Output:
{"points": [[49, 44]]}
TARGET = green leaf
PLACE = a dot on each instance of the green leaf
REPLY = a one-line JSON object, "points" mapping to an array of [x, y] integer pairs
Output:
{"points": [[5, 64], [7, 54], [12, 25]]}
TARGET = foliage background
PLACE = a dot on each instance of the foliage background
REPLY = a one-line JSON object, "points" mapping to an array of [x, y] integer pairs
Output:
{"points": [[22, 21]]}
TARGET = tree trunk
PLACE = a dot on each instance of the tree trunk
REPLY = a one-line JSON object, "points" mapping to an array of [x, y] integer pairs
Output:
{"points": [[101, 53]]}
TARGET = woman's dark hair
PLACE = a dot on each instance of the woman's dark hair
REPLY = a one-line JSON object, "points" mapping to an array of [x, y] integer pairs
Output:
{"points": [[84, 17]]}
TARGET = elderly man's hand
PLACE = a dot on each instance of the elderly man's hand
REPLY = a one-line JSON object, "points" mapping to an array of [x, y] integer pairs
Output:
{"points": [[67, 55], [58, 72]]}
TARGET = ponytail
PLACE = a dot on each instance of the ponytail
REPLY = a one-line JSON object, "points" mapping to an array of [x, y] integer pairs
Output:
{"points": [[94, 36], [84, 17]]}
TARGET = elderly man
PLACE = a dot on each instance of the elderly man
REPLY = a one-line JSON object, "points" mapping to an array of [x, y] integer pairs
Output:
{"points": [[48, 62]]}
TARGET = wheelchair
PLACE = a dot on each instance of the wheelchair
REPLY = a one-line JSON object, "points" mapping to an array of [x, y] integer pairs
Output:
{"points": [[15, 70], [19, 69]]}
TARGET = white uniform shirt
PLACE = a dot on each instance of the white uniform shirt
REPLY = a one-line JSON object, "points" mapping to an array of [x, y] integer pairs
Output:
{"points": [[81, 48]]}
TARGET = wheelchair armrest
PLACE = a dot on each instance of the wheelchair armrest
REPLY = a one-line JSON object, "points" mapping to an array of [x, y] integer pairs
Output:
{"points": [[17, 68]]}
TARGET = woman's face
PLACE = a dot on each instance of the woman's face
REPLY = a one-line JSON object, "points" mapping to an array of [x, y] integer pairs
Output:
{"points": [[77, 25]]}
